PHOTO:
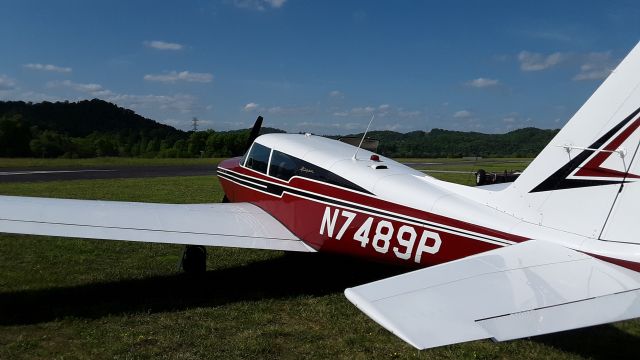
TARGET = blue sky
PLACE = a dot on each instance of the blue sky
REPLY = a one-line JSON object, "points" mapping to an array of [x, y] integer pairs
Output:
{"points": [[319, 66]]}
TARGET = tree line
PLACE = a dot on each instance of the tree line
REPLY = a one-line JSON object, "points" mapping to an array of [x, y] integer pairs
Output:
{"points": [[94, 128], [21, 141], [438, 143], [18, 139]]}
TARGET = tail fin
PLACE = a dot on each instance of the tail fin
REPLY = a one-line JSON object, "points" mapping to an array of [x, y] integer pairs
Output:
{"points": [[586, 180]]}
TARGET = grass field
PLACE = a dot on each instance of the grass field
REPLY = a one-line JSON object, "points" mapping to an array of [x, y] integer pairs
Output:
{"points": [[76, 299]]}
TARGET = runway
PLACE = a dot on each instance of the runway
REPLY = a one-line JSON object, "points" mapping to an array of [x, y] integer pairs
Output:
{"points": [[106, 172], [8, 175]]}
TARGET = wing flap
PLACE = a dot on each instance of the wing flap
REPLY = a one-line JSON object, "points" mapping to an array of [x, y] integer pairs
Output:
{"points": [[581, 313], [527, 289], [233, 225]]}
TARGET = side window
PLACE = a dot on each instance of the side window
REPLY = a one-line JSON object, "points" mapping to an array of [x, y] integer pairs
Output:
{"points": [[258, 158], [282, 166]]}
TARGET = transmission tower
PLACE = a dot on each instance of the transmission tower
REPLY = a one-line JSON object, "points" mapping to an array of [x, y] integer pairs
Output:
{"points": [[195, 123]]}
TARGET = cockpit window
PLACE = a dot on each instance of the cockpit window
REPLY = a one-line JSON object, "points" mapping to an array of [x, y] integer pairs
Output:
{"points": [[282, 165], [258, 158]]}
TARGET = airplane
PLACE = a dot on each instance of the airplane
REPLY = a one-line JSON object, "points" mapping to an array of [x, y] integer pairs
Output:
{"points": [[557, 249]]}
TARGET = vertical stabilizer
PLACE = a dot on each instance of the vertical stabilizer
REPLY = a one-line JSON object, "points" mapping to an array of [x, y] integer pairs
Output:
{"points": [[589, 174]]}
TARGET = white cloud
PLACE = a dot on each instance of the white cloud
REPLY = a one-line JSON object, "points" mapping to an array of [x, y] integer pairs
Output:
{"points": [[6, 83], [276, 3], [409, 114], [34, 96], [326, 128], [173, 76], [276, 110], [290, 110], [92, 89], [260, 5], [482, 82], [346, 127], [462, 114], [280, 110], [179, 102], [336, 94], [384, 110], [530, 61], [250, 107], [514, 120], [163, 45], [48, 67], [362, 111], [596, 66]]}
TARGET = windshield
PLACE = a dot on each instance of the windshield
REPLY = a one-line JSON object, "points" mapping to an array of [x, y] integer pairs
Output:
{"points": [[258, 158]]}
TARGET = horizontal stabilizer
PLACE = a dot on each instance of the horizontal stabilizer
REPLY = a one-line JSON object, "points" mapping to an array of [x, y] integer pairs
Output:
{"points": [[522, 290], [233, 225]]}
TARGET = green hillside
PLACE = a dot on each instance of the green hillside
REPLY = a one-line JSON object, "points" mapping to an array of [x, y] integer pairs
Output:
{"points": [[92, 128]]}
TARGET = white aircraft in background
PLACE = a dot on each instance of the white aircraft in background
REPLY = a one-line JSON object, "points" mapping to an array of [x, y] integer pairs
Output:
{"points": [[557, 249]]}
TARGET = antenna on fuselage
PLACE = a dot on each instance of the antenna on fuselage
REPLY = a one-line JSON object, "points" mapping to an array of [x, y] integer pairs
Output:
{"points": [[355, 156]]}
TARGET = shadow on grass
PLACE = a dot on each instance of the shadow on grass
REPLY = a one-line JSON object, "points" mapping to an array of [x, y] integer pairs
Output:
{"points": [[288, 276], [596, 342]]}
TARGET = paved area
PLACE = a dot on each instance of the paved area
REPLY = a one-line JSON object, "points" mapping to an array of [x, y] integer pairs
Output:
{"points": [[111, 172], [44, 174]]}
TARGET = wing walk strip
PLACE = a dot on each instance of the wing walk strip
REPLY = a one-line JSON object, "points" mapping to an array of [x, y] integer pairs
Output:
{"points": [[145, 229], [278, 190]]}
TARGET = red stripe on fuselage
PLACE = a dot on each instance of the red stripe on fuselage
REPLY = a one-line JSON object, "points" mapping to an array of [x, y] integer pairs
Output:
{"points": [[304, 215]]}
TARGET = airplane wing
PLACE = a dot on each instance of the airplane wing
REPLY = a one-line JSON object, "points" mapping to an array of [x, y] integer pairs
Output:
{"points": [[233, 225], [522, 290]]}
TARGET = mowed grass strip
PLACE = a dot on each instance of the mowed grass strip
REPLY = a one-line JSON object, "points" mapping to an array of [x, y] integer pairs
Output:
{"points": [[76, 299], [175, 190]]}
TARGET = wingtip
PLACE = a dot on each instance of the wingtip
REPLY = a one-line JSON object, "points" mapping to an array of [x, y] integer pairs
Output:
{"points": [[369, 309]]}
